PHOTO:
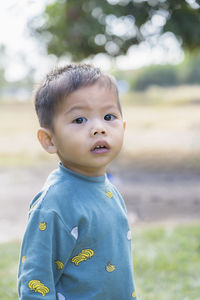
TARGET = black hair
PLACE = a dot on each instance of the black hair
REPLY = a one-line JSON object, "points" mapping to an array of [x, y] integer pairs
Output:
{"points": [[61, 82]]}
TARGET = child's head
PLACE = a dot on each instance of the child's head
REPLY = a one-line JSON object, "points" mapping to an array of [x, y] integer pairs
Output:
{"points": [[63, 81], [80, 114]]}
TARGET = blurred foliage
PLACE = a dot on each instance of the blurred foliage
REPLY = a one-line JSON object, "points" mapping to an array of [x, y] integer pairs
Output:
{"points": [[82, 28], [189, 70], [186, 73], [156, 75]]}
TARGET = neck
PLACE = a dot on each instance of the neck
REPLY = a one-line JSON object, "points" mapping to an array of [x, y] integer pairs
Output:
{"points": [[87, 171]]}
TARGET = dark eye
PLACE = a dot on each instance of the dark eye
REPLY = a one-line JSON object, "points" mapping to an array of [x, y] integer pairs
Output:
{"points": [[109, 117], [80, 120]]}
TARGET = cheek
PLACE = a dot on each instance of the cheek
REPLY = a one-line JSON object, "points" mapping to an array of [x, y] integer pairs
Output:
{"points": [[118, 137], [121, 140], [74, 142], [121, 136], [118, 131]]}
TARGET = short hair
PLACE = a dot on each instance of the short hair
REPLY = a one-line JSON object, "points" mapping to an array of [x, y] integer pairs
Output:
{"points": [[61, 82]]}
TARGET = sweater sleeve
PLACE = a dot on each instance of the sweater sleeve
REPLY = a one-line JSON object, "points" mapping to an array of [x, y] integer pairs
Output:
{"points": [[46, 249]]}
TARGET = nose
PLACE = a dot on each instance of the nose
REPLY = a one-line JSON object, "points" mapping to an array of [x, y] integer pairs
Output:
{"points": [[98, 129]]}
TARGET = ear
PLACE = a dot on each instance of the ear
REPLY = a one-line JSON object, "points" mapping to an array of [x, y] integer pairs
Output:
{"points": [[45, 139], [124, 124]]}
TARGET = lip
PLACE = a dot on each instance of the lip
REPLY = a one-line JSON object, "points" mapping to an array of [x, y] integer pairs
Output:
{"points": [[96, 150]]}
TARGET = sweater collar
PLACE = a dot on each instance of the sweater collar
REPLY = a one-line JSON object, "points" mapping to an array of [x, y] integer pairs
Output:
{"points": [[100, 179]]}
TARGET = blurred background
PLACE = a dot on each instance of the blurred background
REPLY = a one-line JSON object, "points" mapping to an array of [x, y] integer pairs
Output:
{"points": [[152, 47]]}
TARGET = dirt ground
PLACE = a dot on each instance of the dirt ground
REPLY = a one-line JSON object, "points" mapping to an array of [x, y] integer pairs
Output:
{"points": [[151, 196]]}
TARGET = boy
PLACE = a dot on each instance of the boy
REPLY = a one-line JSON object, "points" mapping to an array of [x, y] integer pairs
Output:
{"points": [[77, 244]]}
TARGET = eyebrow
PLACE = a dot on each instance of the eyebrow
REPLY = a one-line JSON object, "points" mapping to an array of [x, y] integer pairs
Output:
{"points": [[110, 107], [74, 108]]}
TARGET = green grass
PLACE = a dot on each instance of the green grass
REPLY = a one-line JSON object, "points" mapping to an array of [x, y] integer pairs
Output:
{"points": [[166, 263], [8, 270]]}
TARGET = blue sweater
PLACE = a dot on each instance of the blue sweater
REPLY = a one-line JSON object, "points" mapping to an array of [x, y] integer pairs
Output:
{"points": [[77, 244]]}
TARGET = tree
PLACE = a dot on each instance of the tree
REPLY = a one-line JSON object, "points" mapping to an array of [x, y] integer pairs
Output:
{"points": [[157, 75], [189, 70], [83, 28]]}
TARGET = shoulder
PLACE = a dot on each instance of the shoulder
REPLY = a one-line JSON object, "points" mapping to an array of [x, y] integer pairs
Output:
{"points": [[110, 185], [56, 189], [53, 206], [118, 197]]}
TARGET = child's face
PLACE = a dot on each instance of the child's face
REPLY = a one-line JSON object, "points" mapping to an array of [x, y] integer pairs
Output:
{"points": [[88, 130]]}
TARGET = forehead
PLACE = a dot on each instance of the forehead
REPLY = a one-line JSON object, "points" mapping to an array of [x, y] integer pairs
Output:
{"points": [[91, 97]]}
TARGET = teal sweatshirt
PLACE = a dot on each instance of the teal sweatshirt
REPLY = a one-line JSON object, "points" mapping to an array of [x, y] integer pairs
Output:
{"points": [[77, 243]]}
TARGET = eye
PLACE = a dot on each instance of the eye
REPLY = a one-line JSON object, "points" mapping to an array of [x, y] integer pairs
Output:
{"points": [[80, 120], [109, 117]]}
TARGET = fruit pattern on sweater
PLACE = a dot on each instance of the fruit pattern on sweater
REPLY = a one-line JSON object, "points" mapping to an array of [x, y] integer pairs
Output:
{"points": [[77, 244]]}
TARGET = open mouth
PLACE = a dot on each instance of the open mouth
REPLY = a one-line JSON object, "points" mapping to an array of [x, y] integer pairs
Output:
{"points": [[100, 148]]}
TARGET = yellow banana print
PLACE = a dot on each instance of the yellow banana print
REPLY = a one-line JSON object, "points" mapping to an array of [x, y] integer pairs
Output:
{"points": [[23, 259], [109, 194], [38, 287], [110, 268], [83, 255], [133, 294], [42, 226], [59, 264]]}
